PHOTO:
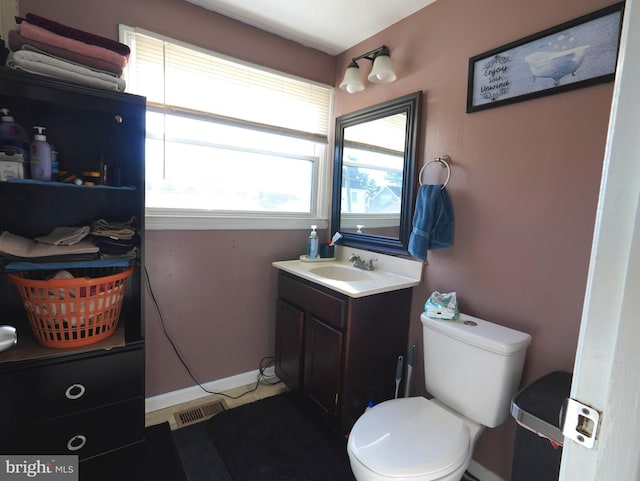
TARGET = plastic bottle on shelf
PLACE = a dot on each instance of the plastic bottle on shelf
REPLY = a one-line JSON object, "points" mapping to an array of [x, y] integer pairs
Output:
{"points": [[40, 156], [13, 137], [312, 247]]}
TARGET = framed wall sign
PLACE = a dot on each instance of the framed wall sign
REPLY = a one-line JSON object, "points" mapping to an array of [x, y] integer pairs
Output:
{"points": [[575, 54]]}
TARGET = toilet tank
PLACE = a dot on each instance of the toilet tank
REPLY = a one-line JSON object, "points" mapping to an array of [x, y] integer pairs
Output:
{"points": [[473, 366]]}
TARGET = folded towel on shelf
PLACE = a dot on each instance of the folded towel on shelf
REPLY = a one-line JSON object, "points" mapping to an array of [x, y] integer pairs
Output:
{"points": [[111, 246], [43, 64], [17, 246], [132, 253], [18, 42], [31, 54], [65, 236], [114, 230], [70, 32], [433, 221], [40, 34]]}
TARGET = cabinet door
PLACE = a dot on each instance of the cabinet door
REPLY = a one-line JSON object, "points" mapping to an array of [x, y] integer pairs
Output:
{"points": [[58, 389], [86, 434], [289, 342], [323, 349]]}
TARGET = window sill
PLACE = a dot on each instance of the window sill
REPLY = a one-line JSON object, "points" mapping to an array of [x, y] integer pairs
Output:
{"points": [[185, 220]]}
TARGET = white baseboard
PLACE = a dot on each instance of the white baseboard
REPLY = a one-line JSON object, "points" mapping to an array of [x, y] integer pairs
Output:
{"points": [[192, 393], [482, 473]]}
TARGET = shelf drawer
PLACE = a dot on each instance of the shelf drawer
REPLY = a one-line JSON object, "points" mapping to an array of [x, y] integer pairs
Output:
{"points": [[44, 392], [329, 307], [85, 434]]}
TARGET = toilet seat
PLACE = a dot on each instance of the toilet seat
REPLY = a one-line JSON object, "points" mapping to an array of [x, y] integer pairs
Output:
{"points": [[410, 437]]}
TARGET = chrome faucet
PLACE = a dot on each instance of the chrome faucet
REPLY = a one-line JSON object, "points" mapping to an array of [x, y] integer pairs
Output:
{"points": [[359, 263]]}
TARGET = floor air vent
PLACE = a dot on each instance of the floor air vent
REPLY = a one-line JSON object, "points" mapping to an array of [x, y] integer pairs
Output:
{"points": [[199, 413]]}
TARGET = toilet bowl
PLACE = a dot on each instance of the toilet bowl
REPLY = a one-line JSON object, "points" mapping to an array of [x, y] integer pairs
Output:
{"points": [[473, 369], [411, 439]]}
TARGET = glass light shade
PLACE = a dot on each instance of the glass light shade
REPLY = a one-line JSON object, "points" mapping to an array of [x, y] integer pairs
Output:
{"points": [[352, 81], [382, 70]]}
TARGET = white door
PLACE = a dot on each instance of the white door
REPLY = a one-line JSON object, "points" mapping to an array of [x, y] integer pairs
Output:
{"points": [[607, 367]]}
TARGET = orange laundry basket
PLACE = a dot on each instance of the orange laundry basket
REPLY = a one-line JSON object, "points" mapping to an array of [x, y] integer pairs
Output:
{"points": [[72, 312]]}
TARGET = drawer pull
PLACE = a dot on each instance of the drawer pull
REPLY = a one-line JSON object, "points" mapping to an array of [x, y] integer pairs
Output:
{"points": [[76, 442], [75, 391]]}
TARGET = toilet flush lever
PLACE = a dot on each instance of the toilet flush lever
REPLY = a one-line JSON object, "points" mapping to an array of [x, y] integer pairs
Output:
{"points": [[580, 422]]}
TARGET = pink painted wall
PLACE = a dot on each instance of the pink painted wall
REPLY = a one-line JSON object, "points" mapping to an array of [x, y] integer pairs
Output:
{"points": [[524, 184], [216, 291], [192, 24]]}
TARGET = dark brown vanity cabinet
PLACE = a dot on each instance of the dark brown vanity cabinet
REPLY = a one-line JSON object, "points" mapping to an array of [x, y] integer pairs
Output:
{"points": [[338, 351], [86, 400]]}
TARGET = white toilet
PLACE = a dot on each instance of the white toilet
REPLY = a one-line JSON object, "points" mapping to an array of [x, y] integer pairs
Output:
{"points": [[472, 369]]}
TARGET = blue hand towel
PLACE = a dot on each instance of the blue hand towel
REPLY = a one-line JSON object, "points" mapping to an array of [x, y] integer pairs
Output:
{"points": [[432, 221]]}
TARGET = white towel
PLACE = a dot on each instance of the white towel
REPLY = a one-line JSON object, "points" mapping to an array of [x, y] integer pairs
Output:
{"points": [[50, 66]]}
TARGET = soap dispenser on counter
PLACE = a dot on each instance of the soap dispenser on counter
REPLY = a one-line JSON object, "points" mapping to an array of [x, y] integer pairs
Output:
{"points": [[40, 156], [312, 247]]}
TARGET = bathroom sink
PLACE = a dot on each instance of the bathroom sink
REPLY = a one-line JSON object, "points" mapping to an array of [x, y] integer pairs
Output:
{"points": [[390, 273], [340, 273]]}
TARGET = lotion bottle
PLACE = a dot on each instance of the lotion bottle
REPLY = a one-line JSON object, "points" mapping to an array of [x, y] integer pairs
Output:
{"points": [[40, 156], [312, 247], [13, 138]]}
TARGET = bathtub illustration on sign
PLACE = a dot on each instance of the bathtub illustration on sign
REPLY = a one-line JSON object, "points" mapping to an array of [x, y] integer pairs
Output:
{"points": [[556, 65]]}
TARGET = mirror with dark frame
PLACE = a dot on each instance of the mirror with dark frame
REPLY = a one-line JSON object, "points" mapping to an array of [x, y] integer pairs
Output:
{"points": [[374, 175]]}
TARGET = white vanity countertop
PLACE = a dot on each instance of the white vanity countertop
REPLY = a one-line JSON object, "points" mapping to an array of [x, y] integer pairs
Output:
{"points": [[390, 273]]}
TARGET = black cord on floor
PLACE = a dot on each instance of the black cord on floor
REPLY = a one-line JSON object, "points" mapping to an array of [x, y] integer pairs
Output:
{"points": [[265, 362], [469, 476]]}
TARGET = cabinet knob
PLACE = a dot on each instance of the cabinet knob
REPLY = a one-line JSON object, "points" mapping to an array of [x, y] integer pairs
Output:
{"points": [[75, 391], [76, 442]]}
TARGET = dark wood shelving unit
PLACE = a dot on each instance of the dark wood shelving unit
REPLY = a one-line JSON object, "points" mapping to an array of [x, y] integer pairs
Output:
{"points": [[88, 400]]}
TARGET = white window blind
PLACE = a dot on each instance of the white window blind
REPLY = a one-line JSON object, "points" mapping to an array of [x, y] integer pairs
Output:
{"points": [[187, 79], [228, 138]]}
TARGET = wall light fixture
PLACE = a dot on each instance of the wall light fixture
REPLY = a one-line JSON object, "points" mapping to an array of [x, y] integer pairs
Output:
{"points": [[381, 71]]}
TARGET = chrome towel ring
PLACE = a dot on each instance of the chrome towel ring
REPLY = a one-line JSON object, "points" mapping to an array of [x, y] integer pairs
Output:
{"points": [[444, 160]]}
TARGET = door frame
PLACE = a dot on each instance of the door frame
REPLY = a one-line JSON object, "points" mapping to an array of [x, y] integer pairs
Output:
{"points": [[608, 360]]}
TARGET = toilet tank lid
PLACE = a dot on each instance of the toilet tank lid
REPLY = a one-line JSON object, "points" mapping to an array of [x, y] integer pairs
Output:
{"points": [[478, 332]]}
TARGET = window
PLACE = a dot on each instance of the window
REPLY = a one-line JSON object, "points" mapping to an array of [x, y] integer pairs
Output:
{"points": [[227, 140]]}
